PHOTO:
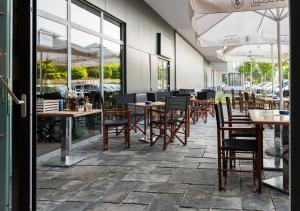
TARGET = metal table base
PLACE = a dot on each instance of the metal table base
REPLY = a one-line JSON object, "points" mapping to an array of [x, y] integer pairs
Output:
{"points": [[69, 161]]}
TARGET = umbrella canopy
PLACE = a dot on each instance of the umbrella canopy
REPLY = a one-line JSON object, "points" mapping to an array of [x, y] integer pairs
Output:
{"points": [[241, 22], [260, 53]]}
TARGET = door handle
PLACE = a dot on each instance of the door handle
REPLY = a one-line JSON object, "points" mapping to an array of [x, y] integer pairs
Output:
{"points": [[21, 102]]}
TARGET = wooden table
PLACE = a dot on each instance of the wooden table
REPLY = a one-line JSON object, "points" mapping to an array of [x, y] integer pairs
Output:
{"points": [[146, 110], [272, 117], [271, 101], [196, 101], [66, 135]]}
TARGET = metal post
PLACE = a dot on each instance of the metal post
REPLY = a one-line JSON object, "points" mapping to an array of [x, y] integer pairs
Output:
{"points": [[279, 60], [273, 66], [251, 67]]}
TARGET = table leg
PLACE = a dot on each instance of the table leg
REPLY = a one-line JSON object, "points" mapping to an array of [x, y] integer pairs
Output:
{"points": [[146, 138], [276, 163], [65, 159]]}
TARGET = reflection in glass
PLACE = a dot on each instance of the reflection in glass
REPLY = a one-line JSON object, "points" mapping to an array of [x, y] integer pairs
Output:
{"points": [[112, 71], [85, 75], [51, 59], [54, 7], [163, 75], [51, 78], [85, 18], [111, 28]]}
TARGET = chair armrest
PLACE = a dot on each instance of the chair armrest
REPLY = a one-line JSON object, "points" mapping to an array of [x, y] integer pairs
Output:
{"points": [[238, 128], [238, 122]]}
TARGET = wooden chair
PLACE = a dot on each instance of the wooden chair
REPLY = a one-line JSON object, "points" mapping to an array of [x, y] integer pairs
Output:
{"points": [[113, 118], [230, 149], [171, 121], [256, 103], [136, 116], [199, 107], [232, 117], [234, 98]]}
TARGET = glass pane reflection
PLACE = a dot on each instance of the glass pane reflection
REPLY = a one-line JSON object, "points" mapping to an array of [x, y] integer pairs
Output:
{"points": [[85, 74], [112, 71], [85, 18], [54, 7]]}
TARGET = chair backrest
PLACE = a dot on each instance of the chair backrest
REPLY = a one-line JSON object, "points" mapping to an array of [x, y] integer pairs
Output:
{"points": [[218, 118], [246, 96], [228, 104], [175, 93], [202, 95], [253, 97], [160, 96], [286, 93], [123, 100], [221, 113], [232, 91], [178, 103], [186, 91], [151, 96], [95, 98]]}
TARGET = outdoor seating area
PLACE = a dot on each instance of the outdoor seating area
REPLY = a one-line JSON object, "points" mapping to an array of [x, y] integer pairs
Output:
{"points": [[131, 105], [172, 174]]}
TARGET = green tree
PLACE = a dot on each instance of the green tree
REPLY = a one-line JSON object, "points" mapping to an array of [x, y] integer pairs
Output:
{"points": [[286, 69], [116, 71], [94, 72], [78, 72], [266, 69], [107, 71], [48, 70]]}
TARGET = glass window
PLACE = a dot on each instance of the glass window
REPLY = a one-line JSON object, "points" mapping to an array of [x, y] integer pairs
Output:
{"points": [[111, 28], [51, 79], [112, 71], [85, 74], [85, 18], [54, 7], [52, 54], [163, 75]]}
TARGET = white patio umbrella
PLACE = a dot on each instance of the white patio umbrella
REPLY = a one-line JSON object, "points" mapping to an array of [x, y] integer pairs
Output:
{"points": [[241, 22], [260, 53]]}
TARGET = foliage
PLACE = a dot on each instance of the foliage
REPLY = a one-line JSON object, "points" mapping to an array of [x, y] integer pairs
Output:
{"points": [[48, 70], [107, 71], [286, 69], [116, 71], [93, 72], [78, 72]]}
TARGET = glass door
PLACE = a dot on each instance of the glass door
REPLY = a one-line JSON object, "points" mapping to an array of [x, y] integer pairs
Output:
{"points": [[163, 75], [5, 107]]}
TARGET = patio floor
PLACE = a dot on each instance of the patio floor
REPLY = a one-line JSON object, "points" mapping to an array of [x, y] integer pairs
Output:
{"points": [[182, 178]]}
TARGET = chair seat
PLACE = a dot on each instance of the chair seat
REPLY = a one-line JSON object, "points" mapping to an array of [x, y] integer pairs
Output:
{"points": [[115, 122], [244, 133], [137, 114], [239, 145]]}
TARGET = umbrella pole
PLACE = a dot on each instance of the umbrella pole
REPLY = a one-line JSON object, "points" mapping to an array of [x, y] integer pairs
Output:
{"points": [[279, 61], [272, 53], [251, 66]]}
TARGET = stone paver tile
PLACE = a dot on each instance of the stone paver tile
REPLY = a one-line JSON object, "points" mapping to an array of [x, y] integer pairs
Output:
{"points": [[231, 203], [198, 196], [46, 205], [87, 196], [196, 153], [194, 176], [207, 166], [281, 204], [178, 164], [115, 207], [71, 206], [163, 188], [119, 192], [165, 156], [255, 201], [51, 184], [139, 198], [146, 177]]}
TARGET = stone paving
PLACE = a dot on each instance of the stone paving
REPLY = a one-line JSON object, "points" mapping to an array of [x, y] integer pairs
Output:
{"points": [[182, 178]]}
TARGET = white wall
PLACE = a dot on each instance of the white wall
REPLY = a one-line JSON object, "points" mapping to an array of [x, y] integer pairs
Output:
{"points": [[189, 66]]}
